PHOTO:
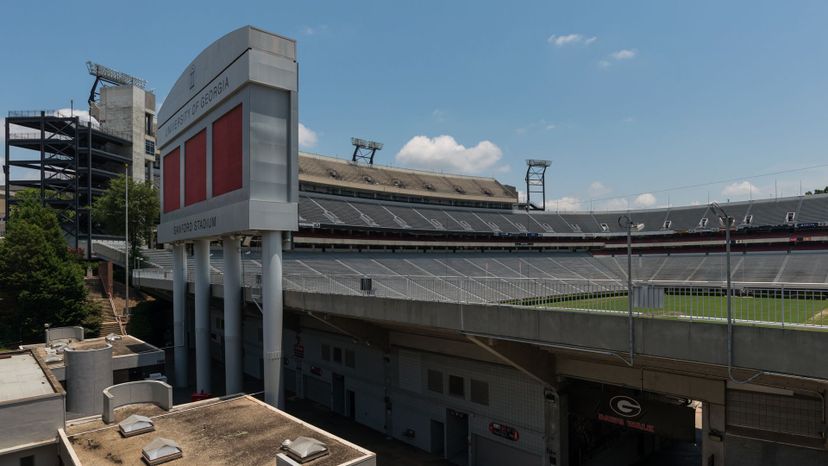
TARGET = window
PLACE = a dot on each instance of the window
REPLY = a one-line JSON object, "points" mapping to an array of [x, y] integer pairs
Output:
{"points": [[435, 381], [667, 224], [149, 147], [703, 223], [457, 386], [148, 123], [479, 392], [219, 323], [789, 217], [27, 460], [350, 359], [337, 355], [748, 219], [326, 353]]}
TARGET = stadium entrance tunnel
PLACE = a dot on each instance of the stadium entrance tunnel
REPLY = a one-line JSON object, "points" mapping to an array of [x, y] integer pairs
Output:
{"points": [[611, 425]]}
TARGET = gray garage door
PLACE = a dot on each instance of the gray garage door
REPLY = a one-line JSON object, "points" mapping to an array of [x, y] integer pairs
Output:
{"points": [[488, 452], [318, 391]]}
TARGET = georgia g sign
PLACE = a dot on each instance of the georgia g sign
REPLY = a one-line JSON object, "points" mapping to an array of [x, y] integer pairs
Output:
{"points": [[228, 137]]}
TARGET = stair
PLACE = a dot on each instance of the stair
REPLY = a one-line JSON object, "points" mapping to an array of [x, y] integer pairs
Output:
{"points": [[109, 323]]}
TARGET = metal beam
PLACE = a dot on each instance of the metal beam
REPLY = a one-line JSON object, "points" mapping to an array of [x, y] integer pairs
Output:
{"points": [[529, 359]]}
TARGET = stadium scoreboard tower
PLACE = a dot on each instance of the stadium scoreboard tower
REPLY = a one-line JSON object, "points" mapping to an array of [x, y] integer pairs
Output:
{"points": [[228, 138]]}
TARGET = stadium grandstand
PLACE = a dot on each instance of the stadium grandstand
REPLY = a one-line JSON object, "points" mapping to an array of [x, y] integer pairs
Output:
{"points": [[393, 238], [415, 232]]}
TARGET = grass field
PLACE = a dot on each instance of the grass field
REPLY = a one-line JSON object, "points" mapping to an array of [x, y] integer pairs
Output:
{"points": [[764, 309]]}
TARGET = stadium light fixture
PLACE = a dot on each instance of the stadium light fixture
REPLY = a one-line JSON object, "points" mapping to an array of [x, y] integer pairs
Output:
{"points": [[536, 182], [365, 149], [105, 74]]}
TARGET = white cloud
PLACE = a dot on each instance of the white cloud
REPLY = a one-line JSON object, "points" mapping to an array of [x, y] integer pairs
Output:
{"points": [[570, 39], [541, 124], [618, 203], [564, 204], [619, 55], [740, 188], [645, 200], [445, 153], [598, 189], [624, 54], [307, 136], [311, 30]]}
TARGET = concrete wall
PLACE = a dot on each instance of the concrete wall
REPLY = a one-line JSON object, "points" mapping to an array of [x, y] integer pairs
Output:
{"points": [[142, 391], [58, 333], [513, 398], [123, 109], [743, 451], [785, 351], [44, 455], [88, 372], [43, 416]]}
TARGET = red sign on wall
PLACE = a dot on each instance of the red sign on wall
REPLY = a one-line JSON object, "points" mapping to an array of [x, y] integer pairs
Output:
{"points": [[172, 179], [504, 431]]}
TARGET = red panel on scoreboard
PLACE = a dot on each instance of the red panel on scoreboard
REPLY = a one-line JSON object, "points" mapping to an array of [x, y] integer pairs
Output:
{"points": [[227, 152], [195, 168], [172, 179]]}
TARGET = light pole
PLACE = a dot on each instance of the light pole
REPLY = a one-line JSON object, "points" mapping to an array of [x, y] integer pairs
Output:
{"points": [[126, 240], [625, 222]]}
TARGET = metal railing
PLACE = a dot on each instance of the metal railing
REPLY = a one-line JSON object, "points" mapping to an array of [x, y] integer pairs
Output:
{"points": [[794, 305]]}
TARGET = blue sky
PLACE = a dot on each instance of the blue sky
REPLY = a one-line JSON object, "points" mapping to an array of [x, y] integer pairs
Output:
{"points": [[624, 97]]}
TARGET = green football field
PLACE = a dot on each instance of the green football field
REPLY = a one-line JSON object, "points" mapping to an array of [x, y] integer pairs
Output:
{"points": [[805, 309]]}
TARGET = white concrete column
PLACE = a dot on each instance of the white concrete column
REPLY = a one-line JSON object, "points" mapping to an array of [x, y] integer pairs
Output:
{"points": [[232, 315], [556, 416], [202, 314], [180, 314], [713, 431], [272, 317]]}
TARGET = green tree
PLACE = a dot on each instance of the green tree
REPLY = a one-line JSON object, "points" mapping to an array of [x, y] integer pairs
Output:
{"points": [[44, 282], [144, 210]]}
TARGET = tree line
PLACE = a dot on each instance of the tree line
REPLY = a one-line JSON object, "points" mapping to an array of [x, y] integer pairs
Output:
{"points": [[42, 279]]}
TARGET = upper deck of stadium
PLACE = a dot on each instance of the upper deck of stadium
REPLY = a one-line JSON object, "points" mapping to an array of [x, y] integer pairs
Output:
{"points": [[339, 194]]}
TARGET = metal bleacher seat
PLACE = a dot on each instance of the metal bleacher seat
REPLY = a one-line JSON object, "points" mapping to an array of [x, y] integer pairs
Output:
{"points": [[687, 218], [814, 209], [773, 212]]}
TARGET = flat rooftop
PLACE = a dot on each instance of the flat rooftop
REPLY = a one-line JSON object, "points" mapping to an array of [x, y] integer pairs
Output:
{"points": [[126, 345], [241, 430], [21, 377]]}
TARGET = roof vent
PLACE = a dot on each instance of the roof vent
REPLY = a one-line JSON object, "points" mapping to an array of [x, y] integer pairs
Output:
{"points": [[459, 189], [487, 192], [136, 425], [429, 186], [112, 337], [59, 344], [333, 173], [304, 449], [160, 451], [368, 179], [398, 183]]}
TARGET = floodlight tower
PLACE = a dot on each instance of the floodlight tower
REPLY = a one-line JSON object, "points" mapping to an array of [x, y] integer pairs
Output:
{"points": [[106, 75], [536, 182], [365, 150]]}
